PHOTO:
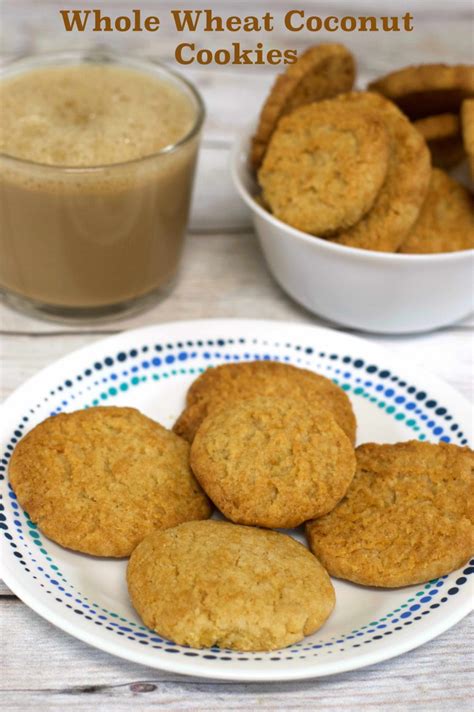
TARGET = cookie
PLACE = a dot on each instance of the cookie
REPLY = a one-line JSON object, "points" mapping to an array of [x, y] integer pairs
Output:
{"points": [[272, 462], [408, 516], [399, 201], [443, 136], [446, 221], [324, 166], [467, 120], [218, 387], [437, 127], [319, 73], [427, 89], [99, 480], [206, 584]]}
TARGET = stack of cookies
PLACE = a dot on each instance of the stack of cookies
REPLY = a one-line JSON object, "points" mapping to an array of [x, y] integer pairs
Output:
{"points": [[356, 167], [270, 446], [434, 96]]}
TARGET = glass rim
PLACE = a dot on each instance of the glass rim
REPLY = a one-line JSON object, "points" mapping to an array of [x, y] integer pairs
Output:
{"points": [[99, 55]]}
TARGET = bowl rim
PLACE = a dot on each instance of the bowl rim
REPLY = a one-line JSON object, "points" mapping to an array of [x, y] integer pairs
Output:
{"points": [[240, 149]]}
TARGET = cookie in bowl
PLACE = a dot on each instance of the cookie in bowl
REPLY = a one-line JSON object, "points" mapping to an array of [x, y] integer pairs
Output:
{"points": [[325, 165]]}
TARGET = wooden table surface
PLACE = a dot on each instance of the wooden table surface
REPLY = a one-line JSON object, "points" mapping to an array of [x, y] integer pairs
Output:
{"points": [[224, 275]]}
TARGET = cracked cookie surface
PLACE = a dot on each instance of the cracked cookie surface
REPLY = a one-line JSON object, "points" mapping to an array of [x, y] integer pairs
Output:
{"points": [[218, 387], [214, 583], [321, 72], [324, 166], [407, 517], [272, 462], [99, 480], [397, 205], [446, 220]]}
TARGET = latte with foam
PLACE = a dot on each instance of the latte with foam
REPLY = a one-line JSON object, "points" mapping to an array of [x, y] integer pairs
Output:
{"points": [[96, 177]]}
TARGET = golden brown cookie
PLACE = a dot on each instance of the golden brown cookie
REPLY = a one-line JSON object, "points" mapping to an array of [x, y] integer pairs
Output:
{"points": [[324, 166], [446, 221], [213, 583], [218, 387], [443, 136], [427, 89], [407, 517], [272, 462], [320, 73], [439, 126], [467, 120], [99, 480], [399, 201]]}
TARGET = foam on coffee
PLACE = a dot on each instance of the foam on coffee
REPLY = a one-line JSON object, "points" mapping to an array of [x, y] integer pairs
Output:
{"points": [[90, 239], [90, 115]]}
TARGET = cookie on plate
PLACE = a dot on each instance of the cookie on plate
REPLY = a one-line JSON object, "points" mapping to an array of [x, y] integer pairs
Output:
{"points": [[443, 136], [324, 166], [206, 584], [467, 120], [408, 516], [99, 480], [272, 462], [427, 89], [397, 206], [446, 221], [319, 73], [220, 386]]}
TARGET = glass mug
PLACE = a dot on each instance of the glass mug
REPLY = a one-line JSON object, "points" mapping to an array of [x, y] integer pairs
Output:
{"points": [[83, 242]]}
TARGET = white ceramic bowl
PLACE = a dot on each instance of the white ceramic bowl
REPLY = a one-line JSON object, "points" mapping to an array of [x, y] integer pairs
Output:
{"points": [[372, 291]]}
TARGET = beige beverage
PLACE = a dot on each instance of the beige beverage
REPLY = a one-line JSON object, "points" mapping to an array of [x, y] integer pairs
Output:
{"points": [[97, 165]]}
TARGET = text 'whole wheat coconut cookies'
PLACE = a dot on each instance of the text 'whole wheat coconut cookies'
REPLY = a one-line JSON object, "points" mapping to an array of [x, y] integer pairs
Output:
{"points": [[319, 73], [324, 166], [99, 480], [206, 584], [446, 220], [272, 462], [397, 205], [218, 387], [427, 89], [407, 518]]}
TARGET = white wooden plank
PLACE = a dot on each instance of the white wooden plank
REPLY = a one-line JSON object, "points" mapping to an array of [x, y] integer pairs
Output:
{"points": [[61, 672], [216, 206], [4, 590]]}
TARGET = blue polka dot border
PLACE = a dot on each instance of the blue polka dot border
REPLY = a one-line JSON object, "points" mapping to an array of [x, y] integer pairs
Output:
{"points": [[117, 373]]}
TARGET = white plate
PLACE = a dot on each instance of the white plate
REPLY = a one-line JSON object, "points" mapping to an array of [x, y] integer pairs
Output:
{"points": [[151, 369]]}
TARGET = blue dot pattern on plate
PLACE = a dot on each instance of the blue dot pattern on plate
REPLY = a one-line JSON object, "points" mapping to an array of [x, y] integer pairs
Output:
{"points": [[117, 373]]}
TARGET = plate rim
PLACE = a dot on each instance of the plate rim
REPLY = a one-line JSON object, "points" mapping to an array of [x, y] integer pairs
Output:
{"points": [[189, 667], [462, 401]]}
